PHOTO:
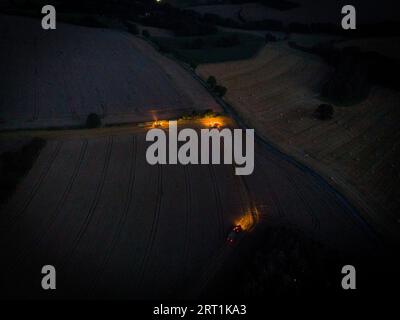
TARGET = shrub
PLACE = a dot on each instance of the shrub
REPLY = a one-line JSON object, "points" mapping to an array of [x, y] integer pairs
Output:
{"points": [[228, 41], [146, 33], [270, 38], [195, 44], [93, 121], [324, 112], [220, 90], [209, 113], [132, 28], [212, 82], [164, 49], [193, 65]]}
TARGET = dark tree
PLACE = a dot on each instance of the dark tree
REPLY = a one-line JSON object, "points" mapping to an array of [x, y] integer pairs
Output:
{"points": [[270, 38], [212, 82], [324, 112], [132, 28], [146, 33], [93, 121], [220, 90], [228, 41]]}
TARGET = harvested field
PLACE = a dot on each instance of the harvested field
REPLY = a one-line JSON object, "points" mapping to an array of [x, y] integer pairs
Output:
{"points": [[56, 79], [277, 92], [115, 226], [309, 11]]}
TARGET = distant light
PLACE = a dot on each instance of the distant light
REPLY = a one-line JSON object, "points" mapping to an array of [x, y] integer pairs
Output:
{"points": [[158, 1]]}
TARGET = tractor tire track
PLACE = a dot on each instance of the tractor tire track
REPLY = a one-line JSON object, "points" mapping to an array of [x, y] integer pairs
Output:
{"points": [[93, 206], [249, 199], [36, 187], [297, 191], [297, 188], [188, 190], [209, 272], [275, 200], [60, 203], [153, 230], [218, 202], [218, 257], [122, 220], [314, 187]]}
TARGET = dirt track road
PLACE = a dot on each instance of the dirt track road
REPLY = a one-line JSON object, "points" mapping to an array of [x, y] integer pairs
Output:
{"points": [[114, 226]]}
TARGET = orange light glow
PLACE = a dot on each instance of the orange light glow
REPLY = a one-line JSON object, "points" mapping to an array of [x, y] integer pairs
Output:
{"points": [[248, 220], [160, 124], [213, 122]]}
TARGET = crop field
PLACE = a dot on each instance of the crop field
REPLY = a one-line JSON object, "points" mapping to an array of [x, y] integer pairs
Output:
{"points": [[277, 92], [57, 79], [114, 226], [248, 45], [309, 11]]}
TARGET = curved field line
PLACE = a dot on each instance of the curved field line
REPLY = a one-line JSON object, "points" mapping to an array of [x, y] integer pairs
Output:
{"points": [[210, 271], [314, 186], [37, 186], [250, 199], [212, 266], [60, 203], [218, 259], [188, 188], [276, 202], [94, 204], [274, 198], [218, 201], [123, 217], [154, 227], [300, 195]]}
